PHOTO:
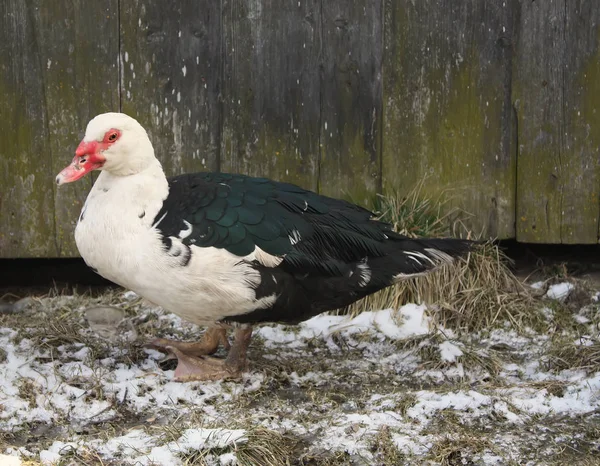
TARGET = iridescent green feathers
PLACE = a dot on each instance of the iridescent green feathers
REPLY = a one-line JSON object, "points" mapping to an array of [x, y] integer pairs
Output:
{"points": [[312, 233]]}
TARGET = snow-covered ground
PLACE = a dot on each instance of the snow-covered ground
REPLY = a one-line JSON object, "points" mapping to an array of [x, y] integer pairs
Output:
{"points": [[387, 387]]}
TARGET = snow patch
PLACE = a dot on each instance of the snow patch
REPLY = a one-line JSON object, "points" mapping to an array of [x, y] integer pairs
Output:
{"points": [[192, 440], [130, 295], [409, 321], [411, 317], [449, 351], [140, 448], [8, 460], [560, 291]]}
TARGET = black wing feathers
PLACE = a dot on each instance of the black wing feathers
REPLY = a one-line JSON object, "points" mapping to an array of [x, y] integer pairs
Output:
{"points": [[313, 233], [237, 213]]}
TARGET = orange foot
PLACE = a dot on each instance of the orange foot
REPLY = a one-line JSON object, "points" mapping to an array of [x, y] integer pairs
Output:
{"points": [[209, 344], [198, 366]]}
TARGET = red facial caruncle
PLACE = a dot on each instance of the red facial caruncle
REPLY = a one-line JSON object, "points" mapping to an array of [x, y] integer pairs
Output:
{"points": [[88, 157]]}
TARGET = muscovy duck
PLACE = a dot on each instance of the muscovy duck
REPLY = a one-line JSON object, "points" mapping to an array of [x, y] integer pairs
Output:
{"points": [[224, 250]]}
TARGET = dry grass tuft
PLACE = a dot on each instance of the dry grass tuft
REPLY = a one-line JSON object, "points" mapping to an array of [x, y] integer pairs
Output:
{"points": [[405, 403], [564, 354], [427, 347], [457, 451], [263, 447], [325, 458], [385, 450], [475, 293]]}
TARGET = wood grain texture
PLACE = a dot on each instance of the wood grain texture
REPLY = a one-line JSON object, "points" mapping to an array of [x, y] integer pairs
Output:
{"points": [[447, 108], [170, 78], [57, 72], [78, 44], [351, 102], [27, 196], [270, 96], [556, 94]]}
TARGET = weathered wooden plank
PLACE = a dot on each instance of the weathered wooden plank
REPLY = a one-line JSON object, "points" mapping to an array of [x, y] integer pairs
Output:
{"points": [[557, 99], [447, 107], [78, 46], [26, 198], [170, 71], [271, 89], [26, 201], [56, 63], [351, 104]]}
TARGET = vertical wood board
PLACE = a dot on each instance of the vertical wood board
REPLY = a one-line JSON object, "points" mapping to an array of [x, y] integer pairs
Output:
{"points": [[170, 64], [556, 95], [447, 109], [351, 100], [58, 70], [78, 44], [27, 194], [270, 93]]}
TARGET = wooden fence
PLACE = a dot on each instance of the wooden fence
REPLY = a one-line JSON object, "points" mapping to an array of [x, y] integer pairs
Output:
{"points": [[495, 104]]}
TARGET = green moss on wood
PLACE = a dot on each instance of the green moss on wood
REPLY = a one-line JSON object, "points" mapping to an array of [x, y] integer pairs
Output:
{"points": [[587, 119], [26, 199], [350, 112], [444, 121], [272, 153], [557, 100], [348, 169]]}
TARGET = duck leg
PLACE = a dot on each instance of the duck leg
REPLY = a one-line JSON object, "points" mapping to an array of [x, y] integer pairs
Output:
{"points": [[209, 344], [206, 368]]}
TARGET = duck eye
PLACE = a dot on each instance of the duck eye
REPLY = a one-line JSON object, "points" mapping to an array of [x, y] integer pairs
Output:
{"points": [[112, 137]]}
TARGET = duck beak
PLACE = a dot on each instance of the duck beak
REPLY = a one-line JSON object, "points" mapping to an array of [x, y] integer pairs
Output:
{"points": [[87, 158]]}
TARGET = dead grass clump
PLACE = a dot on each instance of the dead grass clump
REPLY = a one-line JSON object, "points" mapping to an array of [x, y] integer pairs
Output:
{"points": [[476, 293], [490, 363], [472, 294], [28, 391], [553, 387], [405, 403], [473, 358], [58, 332], [384, 448], [263, 447], [564, 354], [71, 456], [455, 451], [325, 458]]}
